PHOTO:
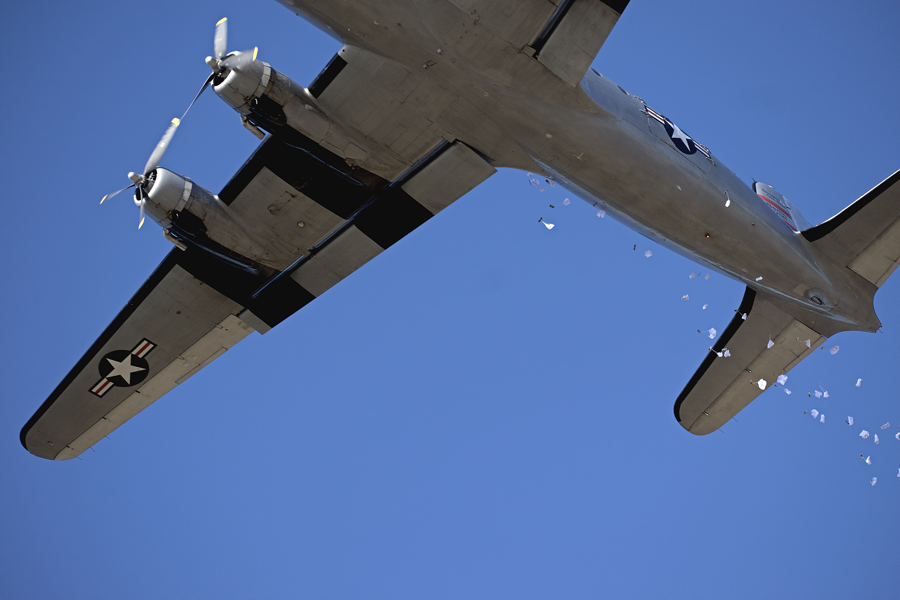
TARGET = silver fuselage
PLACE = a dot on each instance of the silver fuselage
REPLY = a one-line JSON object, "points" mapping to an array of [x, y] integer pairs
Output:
{"points": [[599, 142]]}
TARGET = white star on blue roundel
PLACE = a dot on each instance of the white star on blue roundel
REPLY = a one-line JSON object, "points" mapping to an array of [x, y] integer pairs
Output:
{"points": [[681, 140]]}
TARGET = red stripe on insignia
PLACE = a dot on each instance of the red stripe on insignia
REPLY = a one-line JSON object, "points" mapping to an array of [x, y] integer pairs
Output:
{"points": [[102, 387], [143, 348]]}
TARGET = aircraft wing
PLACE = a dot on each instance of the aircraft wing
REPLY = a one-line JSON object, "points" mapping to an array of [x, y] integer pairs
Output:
{"points": [[723, 386], [200, 301]]}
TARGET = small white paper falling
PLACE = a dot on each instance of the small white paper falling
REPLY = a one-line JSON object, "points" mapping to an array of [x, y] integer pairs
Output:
{"points": [[712, 332], [692, 275], [876, 438], [726, 353], [897, 436], [898, 472], [566, 202], [868, 460], [814, 413], [744, 317], [818, 394], [822, 419], [858, 382], [864, 434], [554, 185], [704, 306], [782, 379], [824, 394], [759, 278], [762, 384], [807, 343], [834, 349], [849, 420], [770, 344], [707, 276], [886, 425], [648, 254], [787, 391], [548, 225], [873, 481], [534, 182], [601, 213], [685, 297], [727, 202]]}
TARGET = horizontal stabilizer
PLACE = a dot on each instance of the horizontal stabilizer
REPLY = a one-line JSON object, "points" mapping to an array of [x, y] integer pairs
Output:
{"points": [[865, 236], [723, 386]]}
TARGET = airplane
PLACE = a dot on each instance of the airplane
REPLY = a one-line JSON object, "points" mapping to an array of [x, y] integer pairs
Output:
{"points": [[418, 108]]}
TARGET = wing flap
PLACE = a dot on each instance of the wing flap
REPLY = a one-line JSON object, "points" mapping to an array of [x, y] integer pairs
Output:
{"points": [[434, 185], [723, 386], [574, 41], [450, 176]]}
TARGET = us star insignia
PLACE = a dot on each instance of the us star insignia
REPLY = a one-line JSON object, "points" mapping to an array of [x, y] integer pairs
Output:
{"points": [[123, 368], [685, 143]]}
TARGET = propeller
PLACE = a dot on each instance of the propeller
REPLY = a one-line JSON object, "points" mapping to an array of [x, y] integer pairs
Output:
{"points": [[220, 64], [140, 181], [222, 61]]}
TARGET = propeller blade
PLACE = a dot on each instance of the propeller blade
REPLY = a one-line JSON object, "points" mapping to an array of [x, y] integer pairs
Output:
{"points": [[202, 89], [108, 196], [236, 59], [221, 41], [141, 224], [161, 147]]}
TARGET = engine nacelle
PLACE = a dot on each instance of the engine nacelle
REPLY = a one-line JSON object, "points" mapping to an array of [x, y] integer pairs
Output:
{"points": [[169, 193], [273, 101], [194, 215], [247, 79]]}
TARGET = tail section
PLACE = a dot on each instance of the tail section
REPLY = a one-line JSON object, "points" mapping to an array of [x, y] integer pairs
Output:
{"points": [[767, 338], [865, 236]]}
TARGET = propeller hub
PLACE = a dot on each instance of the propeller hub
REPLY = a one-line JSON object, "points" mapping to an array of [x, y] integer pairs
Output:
{"points": [[213, 63], [135, 177]]}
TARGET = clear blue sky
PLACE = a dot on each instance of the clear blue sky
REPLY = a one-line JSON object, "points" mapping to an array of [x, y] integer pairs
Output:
{"points": [[485, 410]]}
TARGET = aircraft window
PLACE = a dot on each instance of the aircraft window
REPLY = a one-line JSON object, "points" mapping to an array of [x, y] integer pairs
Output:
{"points": [[596, 71], [623, 90]]}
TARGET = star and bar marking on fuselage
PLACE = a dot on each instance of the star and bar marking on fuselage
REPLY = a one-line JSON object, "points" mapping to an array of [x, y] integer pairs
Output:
{"points": [[123, 368], [680, 139]]}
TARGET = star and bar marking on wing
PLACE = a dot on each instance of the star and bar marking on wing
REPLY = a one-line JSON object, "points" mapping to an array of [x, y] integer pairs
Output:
{"points": [[123, 368], [682, 141]]}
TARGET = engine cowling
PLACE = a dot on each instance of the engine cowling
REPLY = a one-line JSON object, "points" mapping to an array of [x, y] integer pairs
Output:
{"points": [[168, 193], [276, 103], [247, 79]]}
